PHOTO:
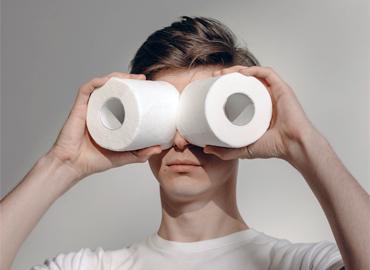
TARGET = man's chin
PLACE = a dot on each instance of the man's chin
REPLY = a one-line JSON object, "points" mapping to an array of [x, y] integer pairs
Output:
{"points": [[184, 188]]}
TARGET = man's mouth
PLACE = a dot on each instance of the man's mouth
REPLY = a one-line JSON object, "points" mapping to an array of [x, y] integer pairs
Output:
{"points": [[183, 162], [183, 165]]}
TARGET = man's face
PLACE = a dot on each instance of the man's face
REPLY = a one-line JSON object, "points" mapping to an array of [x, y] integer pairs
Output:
{"points": [[199, 181]]}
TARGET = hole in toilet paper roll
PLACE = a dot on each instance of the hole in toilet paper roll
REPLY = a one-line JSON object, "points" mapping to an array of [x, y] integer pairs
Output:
{"points": [[112, 113], [239, 109]]}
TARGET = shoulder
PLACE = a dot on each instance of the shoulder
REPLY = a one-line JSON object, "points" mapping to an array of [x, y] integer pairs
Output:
{"points": [[86, 258], [302, 255]]}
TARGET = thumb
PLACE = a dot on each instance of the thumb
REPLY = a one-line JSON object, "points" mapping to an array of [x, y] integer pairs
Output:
{"points": [[136, 156]]}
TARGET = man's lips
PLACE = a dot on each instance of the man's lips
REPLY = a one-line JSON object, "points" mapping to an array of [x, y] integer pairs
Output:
{"points": [[183, 162], [183, 165]]}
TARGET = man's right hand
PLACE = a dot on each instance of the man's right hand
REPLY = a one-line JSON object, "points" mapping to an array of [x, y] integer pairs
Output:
{"points": [[73, 156], [75, 147]]}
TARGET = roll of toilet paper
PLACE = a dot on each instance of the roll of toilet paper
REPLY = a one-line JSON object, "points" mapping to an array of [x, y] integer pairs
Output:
{"points": [[231, 110], [127, 114]]}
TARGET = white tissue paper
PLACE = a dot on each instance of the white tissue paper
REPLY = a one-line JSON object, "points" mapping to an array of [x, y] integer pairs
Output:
{"points": [[128, 114], [231, 110]]}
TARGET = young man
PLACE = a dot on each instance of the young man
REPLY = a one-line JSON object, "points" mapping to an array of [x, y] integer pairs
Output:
{"points": [[201, 227]]}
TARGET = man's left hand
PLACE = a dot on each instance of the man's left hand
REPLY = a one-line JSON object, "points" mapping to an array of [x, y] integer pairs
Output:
{"points": [[288, 122]]}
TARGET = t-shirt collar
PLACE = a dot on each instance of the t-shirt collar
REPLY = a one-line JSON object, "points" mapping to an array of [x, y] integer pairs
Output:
{"points": [[242, 236]]}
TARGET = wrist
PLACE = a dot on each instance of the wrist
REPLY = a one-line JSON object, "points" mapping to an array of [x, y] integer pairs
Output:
{"points": [[58, 169], [303, 146]]}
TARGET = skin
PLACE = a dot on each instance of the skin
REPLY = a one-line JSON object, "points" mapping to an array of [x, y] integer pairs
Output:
{"points": [[199, 204]]}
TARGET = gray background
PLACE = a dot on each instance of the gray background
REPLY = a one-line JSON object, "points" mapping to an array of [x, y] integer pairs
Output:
{"points": [[49, 48]]}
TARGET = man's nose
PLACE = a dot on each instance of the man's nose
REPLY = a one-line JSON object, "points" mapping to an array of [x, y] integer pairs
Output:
{"points": [[180, 142]]}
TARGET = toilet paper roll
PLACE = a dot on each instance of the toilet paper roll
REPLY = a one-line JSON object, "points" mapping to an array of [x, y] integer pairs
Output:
{"points": [[127, 114], [231, 110]]}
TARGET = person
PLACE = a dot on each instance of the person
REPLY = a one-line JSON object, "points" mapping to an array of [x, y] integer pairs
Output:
{"points": [[201, 227]]}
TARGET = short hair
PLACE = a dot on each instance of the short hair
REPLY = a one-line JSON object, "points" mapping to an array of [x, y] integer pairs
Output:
{"points": [[190, 42]]}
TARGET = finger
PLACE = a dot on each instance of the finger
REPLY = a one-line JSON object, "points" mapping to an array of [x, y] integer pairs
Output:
{"points": [[138, 76], [266, 74], [86, 89], [228, 153], [127, 75], [224, 71], [136, 156], [144, 154], [235, 68], [149, 151]]}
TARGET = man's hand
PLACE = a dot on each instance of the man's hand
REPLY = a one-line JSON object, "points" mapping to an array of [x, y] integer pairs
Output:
{"points": [[73, 156], [292, 137], [74, 145], [286, 126]]}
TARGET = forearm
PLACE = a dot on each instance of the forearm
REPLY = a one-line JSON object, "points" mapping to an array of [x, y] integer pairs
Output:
{"points": [[22, 208], [345, 203]]}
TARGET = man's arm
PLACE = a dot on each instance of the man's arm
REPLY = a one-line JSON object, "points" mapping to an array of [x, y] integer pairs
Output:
{"points": [[345, 203], [21, 209], [72, 157], [292, 137]]}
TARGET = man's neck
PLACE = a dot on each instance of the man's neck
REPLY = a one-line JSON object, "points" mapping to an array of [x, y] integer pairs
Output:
{"points": [[213, 216]]}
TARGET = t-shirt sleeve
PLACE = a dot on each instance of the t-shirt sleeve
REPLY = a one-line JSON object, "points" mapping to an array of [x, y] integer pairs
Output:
{"points": [[323, 255], [85, 258]]}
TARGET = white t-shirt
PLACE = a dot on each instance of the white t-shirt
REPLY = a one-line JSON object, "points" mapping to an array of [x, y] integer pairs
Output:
{"points": [[247, 249]]}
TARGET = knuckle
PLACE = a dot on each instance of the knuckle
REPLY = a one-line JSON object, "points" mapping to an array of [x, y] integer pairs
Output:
{"points": [[113, 74], [137, 76], [119, 74], [223, 157], [92, 82], [89, 85], [140, 158], [95, 80], [270, 69]]}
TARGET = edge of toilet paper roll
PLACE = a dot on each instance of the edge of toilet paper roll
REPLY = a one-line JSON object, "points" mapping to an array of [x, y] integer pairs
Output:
{"points": [[267, 110], [94, 124], [195, 111]]}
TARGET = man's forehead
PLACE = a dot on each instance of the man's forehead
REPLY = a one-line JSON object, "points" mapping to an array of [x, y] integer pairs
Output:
{"points": [[180, 78]]}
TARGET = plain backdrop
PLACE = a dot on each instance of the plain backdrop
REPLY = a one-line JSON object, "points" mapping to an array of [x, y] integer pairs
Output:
{"points": [[49, 48]]}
